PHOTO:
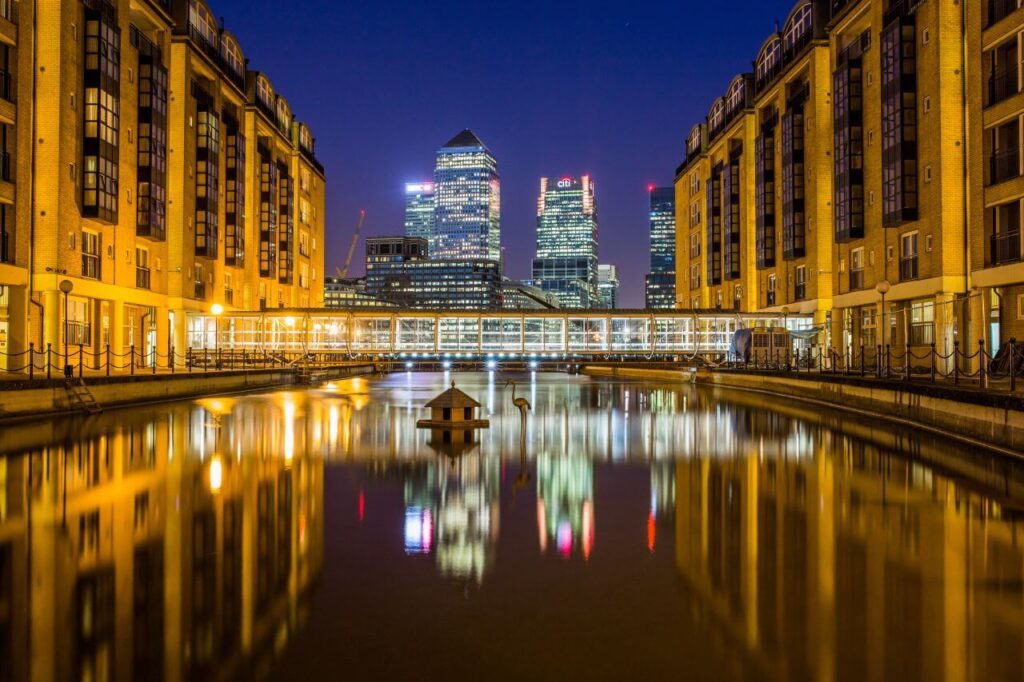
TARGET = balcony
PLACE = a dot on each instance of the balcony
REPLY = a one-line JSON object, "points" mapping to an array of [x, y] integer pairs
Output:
{"points": [[999, 10], [142, 278], [200, 291], [8, 22], [856, 280], [909, 269], [1004, 165], [1002, 85], [1005, 247]]}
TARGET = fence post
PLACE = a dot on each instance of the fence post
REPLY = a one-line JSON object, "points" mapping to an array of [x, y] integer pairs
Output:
{"points": [[108, 359], [956, 362], [862, 359], [982, 361], [170, 359], [49, 359], [31, 360], [932, 356], [1013, 365], [906, 363], [156, 359], [131, 358], [878, 360], [81, 359], [188, 359]]}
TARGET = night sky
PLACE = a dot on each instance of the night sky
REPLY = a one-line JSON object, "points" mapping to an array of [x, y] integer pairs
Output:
{"points": [[606, 88]]}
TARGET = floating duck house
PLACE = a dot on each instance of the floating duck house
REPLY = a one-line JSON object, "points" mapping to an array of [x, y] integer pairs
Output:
{"points": [[453, 410]]}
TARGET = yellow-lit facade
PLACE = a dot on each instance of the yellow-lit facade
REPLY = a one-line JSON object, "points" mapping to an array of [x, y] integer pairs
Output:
{"points": [[142, 184], [885, 155]]}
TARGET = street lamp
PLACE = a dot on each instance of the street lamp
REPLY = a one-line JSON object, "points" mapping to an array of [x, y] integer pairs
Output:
{"points": [[883, 288], [66, 285], [216, 310]]}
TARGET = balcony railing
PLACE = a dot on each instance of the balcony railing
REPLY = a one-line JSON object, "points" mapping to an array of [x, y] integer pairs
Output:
{"points": [[1002, 85], [770, 298], [7, 10], [200, 291], [1004, 165], [1000, 9], [5, 167], [908, 268], [1005, 247], [6, 248], [856, 280], [142, 278], [800, 291]]}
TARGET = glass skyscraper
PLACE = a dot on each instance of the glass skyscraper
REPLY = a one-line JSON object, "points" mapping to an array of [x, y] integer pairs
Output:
{"points": [[660, 285], [467, 216], [419, 210], [566, 260], [608, 286]]}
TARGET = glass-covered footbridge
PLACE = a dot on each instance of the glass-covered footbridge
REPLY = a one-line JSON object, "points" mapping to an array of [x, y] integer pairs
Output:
{"points": [[422, 333]]}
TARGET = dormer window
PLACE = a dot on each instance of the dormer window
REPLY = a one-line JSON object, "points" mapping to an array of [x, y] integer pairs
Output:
{"points": [[232, 55], [693, 142], [284, 116], [202, 22], [798, 28], [717, 116], [768, 60], [264, 93], [737, 95]]}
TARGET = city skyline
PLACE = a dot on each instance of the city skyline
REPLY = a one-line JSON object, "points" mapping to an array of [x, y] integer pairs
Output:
{"points": [[583, 92]]}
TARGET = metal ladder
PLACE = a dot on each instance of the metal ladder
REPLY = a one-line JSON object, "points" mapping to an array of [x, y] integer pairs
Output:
{"points": [[81, 396]]}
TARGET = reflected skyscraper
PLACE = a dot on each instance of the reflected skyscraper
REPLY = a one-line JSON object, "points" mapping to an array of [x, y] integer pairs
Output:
{"points": [[565, 504], [467, 217], [566, 260]]}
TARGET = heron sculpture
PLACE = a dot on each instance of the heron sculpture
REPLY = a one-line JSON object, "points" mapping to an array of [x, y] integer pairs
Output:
{"points": [[524, 476]]}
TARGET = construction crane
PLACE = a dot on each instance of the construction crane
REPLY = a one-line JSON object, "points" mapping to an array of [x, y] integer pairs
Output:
{"points": [[343, 272]]}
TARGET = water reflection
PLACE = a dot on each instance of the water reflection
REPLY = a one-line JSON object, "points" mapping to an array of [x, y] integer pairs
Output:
{"points": [[780, 544]]}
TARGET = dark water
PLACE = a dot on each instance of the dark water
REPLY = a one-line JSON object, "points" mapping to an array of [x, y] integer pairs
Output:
{"points": [[643, 531]]}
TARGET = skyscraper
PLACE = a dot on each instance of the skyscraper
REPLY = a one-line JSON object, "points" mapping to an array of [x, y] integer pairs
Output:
{"points": [[419, 210], [607, 286], [566, 261], [467, 216], [660, 285]]}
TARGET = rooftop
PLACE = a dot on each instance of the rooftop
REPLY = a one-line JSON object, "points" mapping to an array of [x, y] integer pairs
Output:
{"points": [[454, 398]]}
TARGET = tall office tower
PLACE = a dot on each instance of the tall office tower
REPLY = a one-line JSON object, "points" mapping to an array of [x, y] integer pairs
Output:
{"points": [[660, 284], [419, 210], [566, 261], [467, 215], [607, 286]]}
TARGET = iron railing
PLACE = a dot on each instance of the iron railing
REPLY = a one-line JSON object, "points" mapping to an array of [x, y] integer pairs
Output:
{"points": [[1000, 9], [1004, 165], [1002, 84], [1005, 247]]}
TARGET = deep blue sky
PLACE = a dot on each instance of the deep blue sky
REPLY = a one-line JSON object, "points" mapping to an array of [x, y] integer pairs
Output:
{"points": [[607, 88]]}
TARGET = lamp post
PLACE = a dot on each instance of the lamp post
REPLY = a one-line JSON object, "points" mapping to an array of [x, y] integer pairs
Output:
{"points": [[883, 288], [65, 286], [216, 310]]}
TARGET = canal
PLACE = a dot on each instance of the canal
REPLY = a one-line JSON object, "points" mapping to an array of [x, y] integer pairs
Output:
{"points": [[634, 531]]}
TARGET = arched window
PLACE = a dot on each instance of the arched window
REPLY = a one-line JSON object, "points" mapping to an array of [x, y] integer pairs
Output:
{"points": [[284, 115], [693, 141], [798, 27], [201, 20], [768, 60], [717, 115], [232, 54], [737, 94], [264, 93]]}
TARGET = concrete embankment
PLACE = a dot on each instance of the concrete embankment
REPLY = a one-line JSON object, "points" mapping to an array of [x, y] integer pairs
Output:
{"points": [[27, 399]]}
